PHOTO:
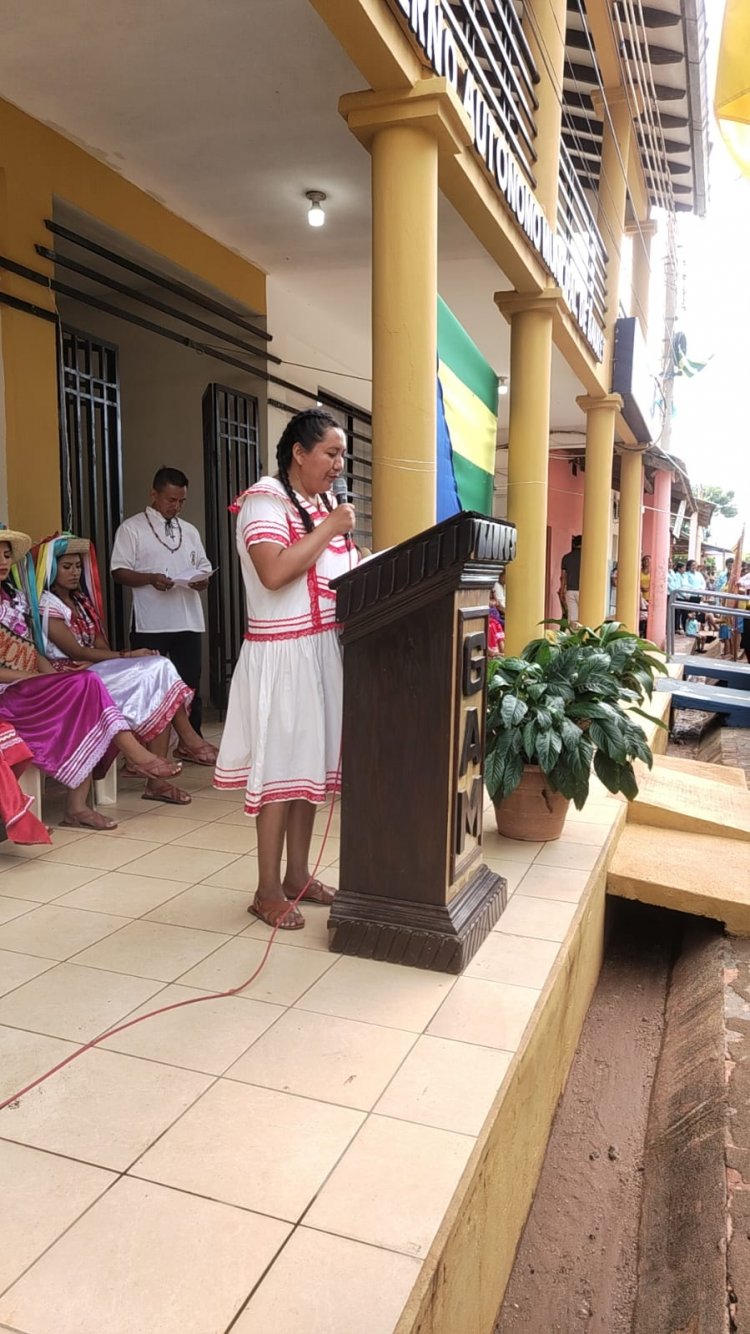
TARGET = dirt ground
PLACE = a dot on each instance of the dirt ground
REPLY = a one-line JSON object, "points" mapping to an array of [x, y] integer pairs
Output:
{"points": [[661, 1081], [575, 1269]]}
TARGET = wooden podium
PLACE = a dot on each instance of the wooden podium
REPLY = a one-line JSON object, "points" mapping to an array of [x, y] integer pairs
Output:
{"points": [[413, 888]]}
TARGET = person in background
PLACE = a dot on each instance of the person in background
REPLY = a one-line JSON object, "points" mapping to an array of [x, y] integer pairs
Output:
{"points": [[743, 586], [721, 582], [282, 736], [613, 590], [150, 550], [570, 580], [645, 595], [675, 576], [694, 582], [496, 621]]}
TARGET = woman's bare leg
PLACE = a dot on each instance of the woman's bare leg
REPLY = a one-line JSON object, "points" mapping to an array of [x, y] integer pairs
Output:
{"points": [[143, 760], [298, 838], [189, 742], [78, 811], [156, 786], [272, 831]]}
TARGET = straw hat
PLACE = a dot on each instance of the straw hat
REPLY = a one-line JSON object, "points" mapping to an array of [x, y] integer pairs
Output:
{"points": [[19, 543], [75, 546]]}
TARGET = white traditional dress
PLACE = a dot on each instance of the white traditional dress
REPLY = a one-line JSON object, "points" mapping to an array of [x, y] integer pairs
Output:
{"points": [[282, 735], [147, 691]]}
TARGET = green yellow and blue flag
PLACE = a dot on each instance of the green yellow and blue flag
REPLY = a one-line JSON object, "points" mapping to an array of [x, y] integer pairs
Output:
{"points": [[467, 421]]}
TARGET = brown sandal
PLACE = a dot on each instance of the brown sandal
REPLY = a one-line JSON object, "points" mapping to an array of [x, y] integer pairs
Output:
{"points": [[168, 793], [157, 768], [207, 754], [277, 912], [316, 892], [88, 820]]}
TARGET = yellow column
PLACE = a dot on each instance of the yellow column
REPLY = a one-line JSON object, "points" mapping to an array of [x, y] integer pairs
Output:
{"points": [[597, 488], [404, 332], [629, 544], [531, 320], [616, 137], [613, 111], [641, 234], [406, 134], [544, 27]]}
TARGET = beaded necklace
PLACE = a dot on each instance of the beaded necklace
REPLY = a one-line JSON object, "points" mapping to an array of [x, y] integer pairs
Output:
{"points": [[161, 539]]}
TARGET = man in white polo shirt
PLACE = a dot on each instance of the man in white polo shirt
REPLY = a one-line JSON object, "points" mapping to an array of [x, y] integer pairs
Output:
{"points": [[150, 551]]}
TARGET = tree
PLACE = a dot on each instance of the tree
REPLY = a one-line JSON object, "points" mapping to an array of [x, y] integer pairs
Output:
{"points": [[723, 500]]}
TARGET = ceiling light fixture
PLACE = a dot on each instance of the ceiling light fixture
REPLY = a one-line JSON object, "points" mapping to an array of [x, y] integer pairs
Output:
{"points": [[502, 385], [316, 217]]}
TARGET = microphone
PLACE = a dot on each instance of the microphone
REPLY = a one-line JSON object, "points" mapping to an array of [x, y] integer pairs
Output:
{"points": [[340, 493]]}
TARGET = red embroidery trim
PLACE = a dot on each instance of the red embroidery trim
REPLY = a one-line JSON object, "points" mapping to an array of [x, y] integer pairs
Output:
{"points": [[253, 638]]}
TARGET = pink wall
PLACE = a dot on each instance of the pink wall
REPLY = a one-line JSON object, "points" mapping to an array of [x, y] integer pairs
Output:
{"points": [[647, 527], [657, 617], [564, 518]]}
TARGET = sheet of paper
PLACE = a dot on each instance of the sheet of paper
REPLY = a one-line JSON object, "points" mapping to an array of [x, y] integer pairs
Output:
{"points": [[189, 576]]}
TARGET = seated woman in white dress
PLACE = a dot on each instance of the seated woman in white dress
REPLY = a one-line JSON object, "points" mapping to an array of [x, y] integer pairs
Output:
{"points": [[146, 687], [68, 722]]}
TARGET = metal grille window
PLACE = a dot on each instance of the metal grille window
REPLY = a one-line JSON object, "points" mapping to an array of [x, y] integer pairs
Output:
{"points": [[91, 456], [232, 464]]}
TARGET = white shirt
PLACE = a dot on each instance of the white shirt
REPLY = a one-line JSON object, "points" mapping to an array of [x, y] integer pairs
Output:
{"points": [[307, 605], [137, 546]]}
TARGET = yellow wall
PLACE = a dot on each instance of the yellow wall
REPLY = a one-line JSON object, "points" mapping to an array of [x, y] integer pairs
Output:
{"points": [[39, 166]]}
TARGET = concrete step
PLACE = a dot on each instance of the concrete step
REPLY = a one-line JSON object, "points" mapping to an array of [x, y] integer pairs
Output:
{"points": [[689, 795], [701, 874]]}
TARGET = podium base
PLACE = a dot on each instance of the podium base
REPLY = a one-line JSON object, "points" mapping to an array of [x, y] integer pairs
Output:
{"points": [[439, 937]]}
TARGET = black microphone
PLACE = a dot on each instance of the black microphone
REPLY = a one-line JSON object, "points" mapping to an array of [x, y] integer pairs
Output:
{"points": [[340, 493]]}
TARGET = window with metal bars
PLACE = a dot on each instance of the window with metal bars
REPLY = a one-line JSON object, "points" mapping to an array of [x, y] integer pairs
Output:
{"points": [[91, 456], [231, 464]]}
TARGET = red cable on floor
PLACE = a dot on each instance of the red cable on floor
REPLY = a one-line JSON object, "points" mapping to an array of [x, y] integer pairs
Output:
{"points": [[194, 1000]]}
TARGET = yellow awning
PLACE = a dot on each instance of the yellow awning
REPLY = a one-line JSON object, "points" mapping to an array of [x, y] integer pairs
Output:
{"points": [[732, 100]]}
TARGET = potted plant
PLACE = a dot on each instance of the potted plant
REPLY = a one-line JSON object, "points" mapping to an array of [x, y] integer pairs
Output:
{"points": [[557, 713]]}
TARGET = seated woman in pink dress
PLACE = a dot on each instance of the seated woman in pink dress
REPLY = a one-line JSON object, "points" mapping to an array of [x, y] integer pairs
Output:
{"points": [[70, 722], [19, 823], [145, 686]]}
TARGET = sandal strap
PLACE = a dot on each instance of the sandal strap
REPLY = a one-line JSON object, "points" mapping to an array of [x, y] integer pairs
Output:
{"points": [[177, 795], [322, 893], [276, 912]]}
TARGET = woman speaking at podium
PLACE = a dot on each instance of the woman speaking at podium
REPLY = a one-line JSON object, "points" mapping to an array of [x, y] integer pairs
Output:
{"points": [[282, 736]]}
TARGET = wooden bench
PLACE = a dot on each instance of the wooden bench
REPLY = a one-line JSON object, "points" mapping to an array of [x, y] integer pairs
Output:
{"points": [[736, 674], [709, 699]]}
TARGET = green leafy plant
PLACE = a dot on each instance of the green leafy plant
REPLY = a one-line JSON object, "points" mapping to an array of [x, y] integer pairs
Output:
{"points": [[562, 706]]}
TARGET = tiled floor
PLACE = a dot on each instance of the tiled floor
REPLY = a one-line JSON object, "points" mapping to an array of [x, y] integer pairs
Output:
{"points": [[279, 1160]]}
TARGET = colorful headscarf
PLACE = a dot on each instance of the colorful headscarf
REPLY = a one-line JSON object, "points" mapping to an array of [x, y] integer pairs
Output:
{"points": [[48, 552], [22, 575]]}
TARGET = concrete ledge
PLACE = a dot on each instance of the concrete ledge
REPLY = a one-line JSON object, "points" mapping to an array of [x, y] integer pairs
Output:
{"points": [[464, 1276], [682, 1268], [692, 873]]}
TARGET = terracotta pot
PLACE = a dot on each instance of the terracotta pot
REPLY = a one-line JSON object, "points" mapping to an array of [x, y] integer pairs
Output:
{"points": [[533, 812]]}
